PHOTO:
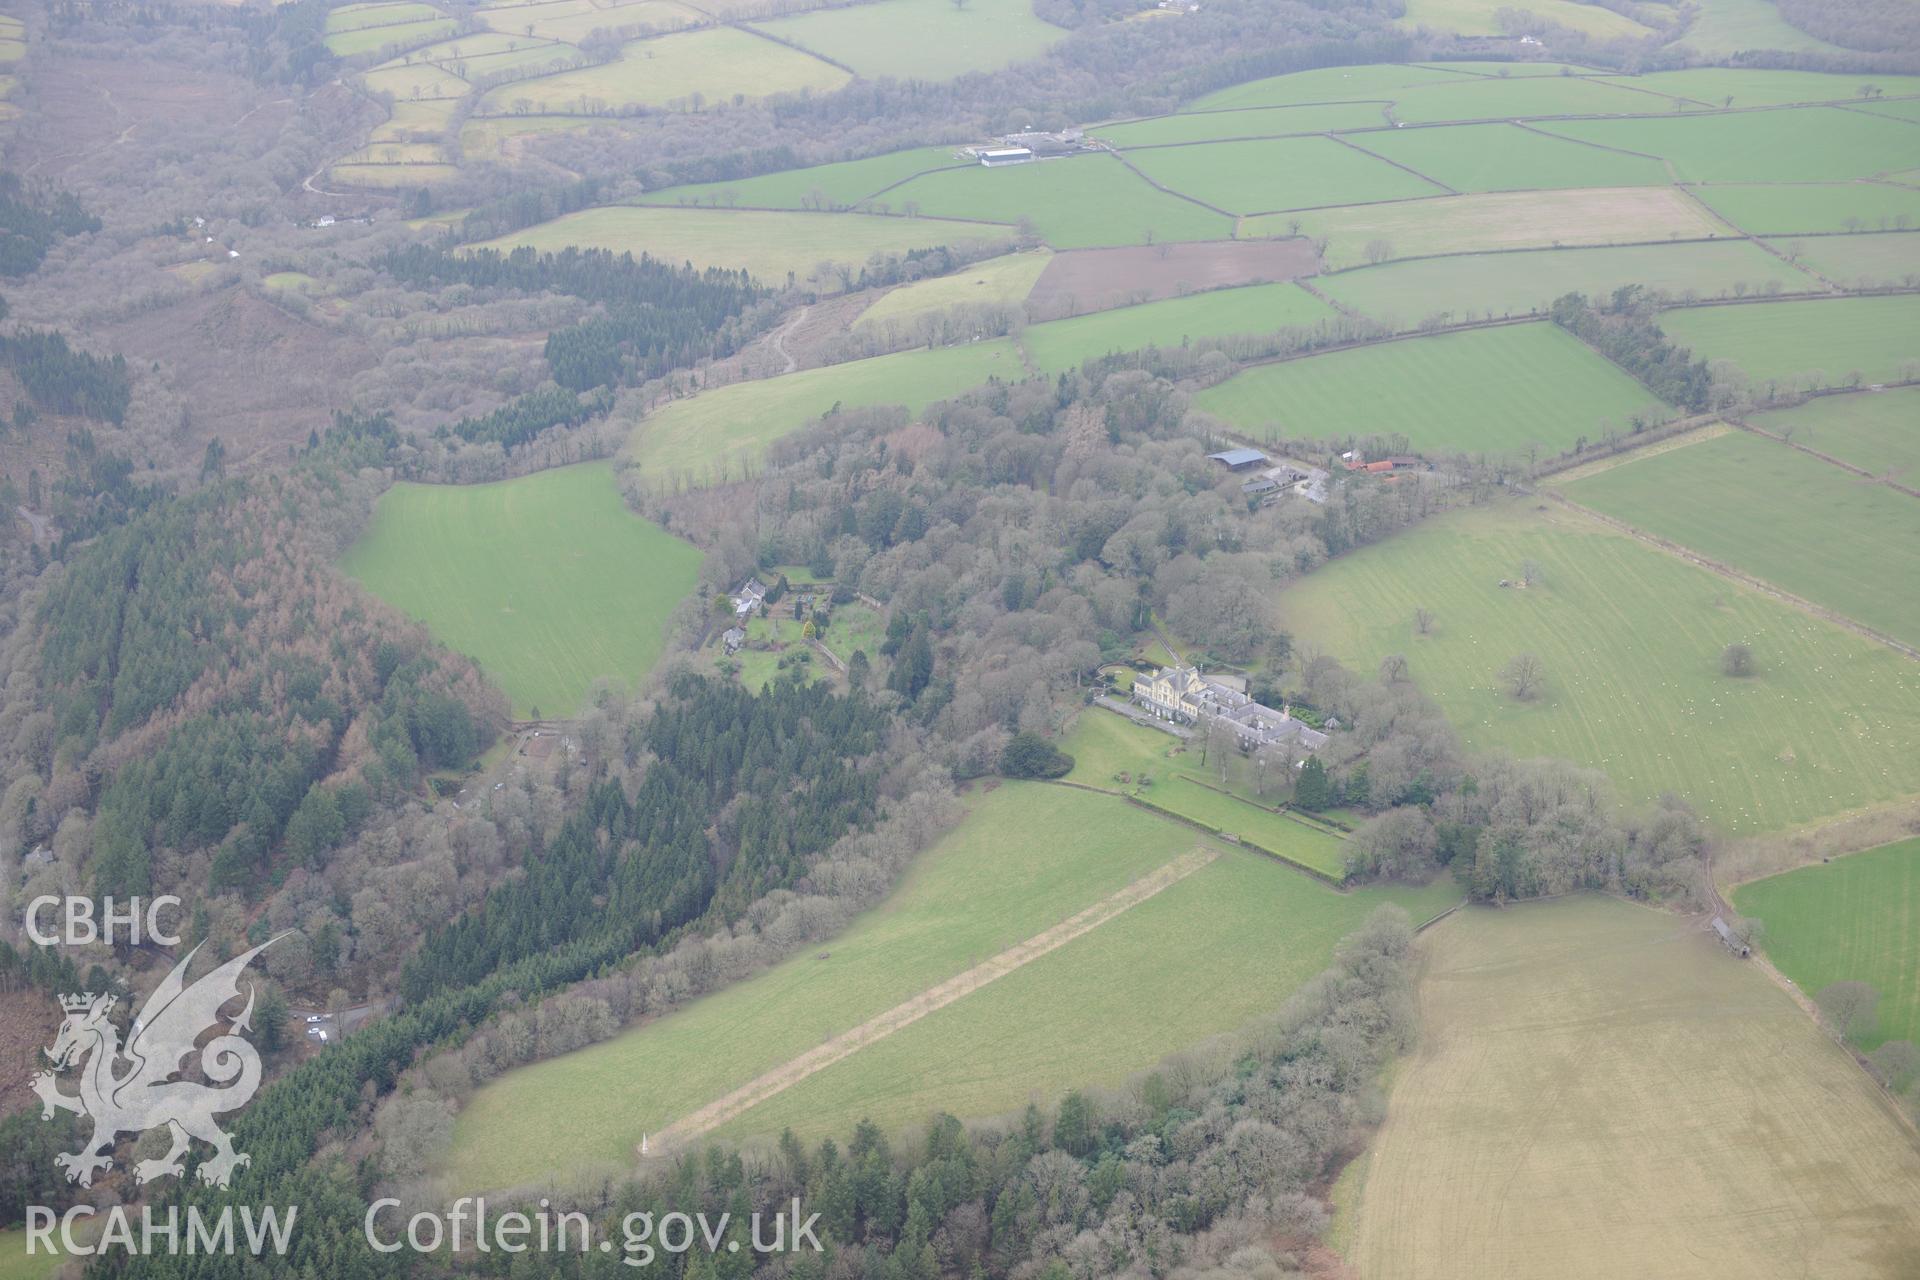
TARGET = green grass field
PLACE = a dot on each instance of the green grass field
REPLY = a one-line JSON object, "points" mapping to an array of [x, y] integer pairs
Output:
{"points": [[1500, 220], [1808, 344], [403, 35], [1909, 109], [1214, 126], [1856, 919], [921, 39], [1600, 1091], [16, 1265], [720, 433], [1725, 27], [1243, 930], [1631, 639], [574, 20], [524, 55], [416, 80], [352, 17], [1801, 144], [768, 245], [1754, 87], [1823, 534], [1260, 308], [1518, 97], [1505, 157], [494, 137], [475, 47], [830, 186], [1879, 431], [1000, 282], [398, 153], [1379, 82], [1283, 173], [1832, 206], [1476, 17], [1507, 390], [410, 120], [1865, 261], [1077, 203], [716, 63], [1402, 294], [1027, 857], [548, 581]]}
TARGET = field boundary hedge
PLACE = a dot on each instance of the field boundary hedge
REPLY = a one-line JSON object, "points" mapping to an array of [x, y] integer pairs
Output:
{"points": [[1278, 811], [1732, 574], [1235, 838]]}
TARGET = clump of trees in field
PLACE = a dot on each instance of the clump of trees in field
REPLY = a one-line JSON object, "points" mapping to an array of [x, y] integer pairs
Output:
{"points": [[1851, 1011], [1626, 330], [1506, 828], [1028, 755]]}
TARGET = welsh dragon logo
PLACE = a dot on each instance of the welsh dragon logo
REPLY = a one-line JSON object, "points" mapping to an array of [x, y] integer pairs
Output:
{"points": [[144, 1095]]}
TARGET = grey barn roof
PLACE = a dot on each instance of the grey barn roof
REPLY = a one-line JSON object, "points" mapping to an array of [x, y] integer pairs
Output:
{"points": [[1238, 457]]}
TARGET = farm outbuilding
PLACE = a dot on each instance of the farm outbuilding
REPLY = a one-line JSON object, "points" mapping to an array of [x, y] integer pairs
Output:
{"points": [[1731, 940], [998, 156], [1238, 459]]}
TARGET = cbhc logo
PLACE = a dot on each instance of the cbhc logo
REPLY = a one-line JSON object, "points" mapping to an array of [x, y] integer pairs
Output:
{"points": [[78, 926]]}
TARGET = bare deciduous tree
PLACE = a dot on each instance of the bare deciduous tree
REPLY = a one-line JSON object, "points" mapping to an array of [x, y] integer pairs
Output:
{"points": [[1523, 674], [1896, 1063], [1850, 1008]]}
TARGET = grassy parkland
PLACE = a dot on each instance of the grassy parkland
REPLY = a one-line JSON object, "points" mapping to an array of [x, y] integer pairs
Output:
{"points": [[1631, 640], [548, 581], [1791, 519]]}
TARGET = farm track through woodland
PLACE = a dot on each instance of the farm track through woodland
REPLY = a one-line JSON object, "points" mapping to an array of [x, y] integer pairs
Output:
{"points": [[882, 1025]]}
